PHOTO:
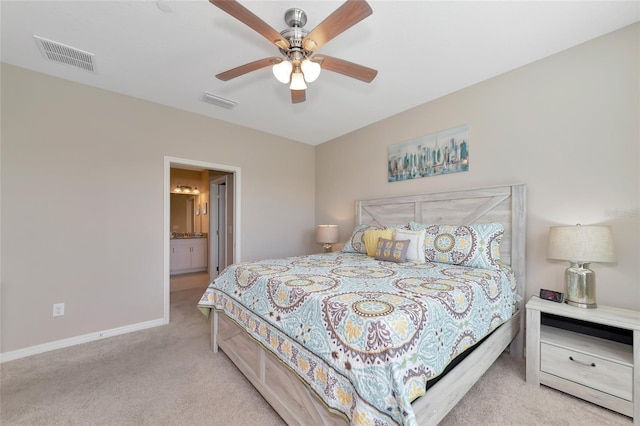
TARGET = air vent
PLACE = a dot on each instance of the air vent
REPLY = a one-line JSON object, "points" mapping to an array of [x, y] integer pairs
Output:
{"points": [[58, 52], [218, 101]]}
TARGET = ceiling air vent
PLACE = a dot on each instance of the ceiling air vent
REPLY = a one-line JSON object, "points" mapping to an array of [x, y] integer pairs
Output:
{"points": [[218, 101], [63, 54]]}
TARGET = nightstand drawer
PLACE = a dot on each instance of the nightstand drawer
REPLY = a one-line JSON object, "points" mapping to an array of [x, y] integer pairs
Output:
{"points": [[588, 370]]}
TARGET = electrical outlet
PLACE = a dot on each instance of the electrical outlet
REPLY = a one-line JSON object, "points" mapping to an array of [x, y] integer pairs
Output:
{"points": [[58, 309]]}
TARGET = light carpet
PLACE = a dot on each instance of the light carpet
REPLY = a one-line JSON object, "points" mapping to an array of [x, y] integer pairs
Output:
{"points": [[168, 375]]}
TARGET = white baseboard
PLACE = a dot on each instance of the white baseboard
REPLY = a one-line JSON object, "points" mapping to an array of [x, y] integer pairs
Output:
{"points": [[71, 341]]}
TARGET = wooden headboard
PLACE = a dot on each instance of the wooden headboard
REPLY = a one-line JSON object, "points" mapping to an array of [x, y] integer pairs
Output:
{"points": [[499, 204]]}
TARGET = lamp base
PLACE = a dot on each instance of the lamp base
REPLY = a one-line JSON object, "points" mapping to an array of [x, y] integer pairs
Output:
{"points": [[327, 248], [580, 286], [581, 305]]}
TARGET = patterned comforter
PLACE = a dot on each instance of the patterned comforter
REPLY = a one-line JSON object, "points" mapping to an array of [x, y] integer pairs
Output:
{"points": [[366, 335]]}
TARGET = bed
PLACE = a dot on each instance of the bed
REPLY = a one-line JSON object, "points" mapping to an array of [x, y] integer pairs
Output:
{"points": [[347, 338]]}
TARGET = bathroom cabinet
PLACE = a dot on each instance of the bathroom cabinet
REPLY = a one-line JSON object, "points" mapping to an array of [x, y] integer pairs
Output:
{"points": [[188, 255]]}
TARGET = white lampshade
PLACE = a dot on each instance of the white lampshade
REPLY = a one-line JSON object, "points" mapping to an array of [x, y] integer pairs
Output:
{"points": [[328, 234], [581, 244], [282, 71], [311, 70], [297, 81]]}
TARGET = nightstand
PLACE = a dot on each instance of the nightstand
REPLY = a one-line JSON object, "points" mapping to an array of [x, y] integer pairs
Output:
{"points": [[593, 354]]}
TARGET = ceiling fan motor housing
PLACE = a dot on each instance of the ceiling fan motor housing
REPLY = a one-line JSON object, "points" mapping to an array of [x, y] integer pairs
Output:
{"points": [[295, 18]]}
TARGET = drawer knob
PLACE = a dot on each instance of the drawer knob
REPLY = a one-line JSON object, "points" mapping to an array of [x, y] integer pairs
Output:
{"points": [[593, 364]]}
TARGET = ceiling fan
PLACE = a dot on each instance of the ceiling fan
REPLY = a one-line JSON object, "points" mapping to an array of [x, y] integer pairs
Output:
{"points": [[299, 64]]}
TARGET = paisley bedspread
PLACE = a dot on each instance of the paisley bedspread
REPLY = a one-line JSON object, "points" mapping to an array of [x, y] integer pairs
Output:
{"points": [[366, 335]]}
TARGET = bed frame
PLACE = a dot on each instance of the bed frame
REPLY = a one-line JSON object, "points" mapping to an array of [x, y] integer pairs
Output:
{"points": [[298, 404]]}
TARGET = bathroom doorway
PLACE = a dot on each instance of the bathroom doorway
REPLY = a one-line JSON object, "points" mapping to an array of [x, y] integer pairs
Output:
{"points": [[218, 219]]}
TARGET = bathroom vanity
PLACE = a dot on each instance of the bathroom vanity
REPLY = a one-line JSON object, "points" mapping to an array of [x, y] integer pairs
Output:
{"points": [[188, 253]]}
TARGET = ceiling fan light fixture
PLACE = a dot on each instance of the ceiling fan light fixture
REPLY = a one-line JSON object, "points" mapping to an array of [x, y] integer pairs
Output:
{"points": [[311, 70], [297, 45], [282, 71], [297, 81]]}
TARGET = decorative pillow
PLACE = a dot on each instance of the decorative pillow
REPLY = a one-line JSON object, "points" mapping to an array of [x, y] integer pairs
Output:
{"points": [[392, 250], [415, 251], [355, 244], [371, 237], [476, 245]]}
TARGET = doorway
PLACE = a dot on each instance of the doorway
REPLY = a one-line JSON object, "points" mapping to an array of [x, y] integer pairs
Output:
{"points": [[231, 216]]}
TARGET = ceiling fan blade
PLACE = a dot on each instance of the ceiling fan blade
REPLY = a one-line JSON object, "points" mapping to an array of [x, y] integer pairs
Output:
{"points": [[347, 68], [298, 96], [247, 17], [247, 68], [343, 18]]}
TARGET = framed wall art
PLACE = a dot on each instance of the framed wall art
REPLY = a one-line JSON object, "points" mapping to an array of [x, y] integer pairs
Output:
{"points": [[438, 153]]}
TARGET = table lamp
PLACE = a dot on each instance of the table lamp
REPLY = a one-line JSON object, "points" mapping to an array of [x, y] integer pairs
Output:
{"points": [[581, 245], [327, 235]]}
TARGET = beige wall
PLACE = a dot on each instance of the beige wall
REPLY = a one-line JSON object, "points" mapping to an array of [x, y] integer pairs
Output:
{"points": [[567, 126], [82, 202], [190, 178]]}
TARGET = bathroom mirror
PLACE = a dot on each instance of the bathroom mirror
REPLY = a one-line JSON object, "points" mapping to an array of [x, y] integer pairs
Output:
{"points": [[185, 217]]}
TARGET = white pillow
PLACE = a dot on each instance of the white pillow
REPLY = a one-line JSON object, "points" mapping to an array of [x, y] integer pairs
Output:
{"points": [[415, 252]]}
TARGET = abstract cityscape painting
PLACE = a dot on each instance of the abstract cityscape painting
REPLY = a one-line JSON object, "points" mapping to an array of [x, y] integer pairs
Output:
{"points": [[435, 154]]}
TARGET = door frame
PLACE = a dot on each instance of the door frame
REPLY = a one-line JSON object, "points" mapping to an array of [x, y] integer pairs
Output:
{"points": [[170, 162]]}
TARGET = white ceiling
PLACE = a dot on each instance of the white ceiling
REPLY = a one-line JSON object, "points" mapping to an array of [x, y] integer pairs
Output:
{"points": [[168, 52]]}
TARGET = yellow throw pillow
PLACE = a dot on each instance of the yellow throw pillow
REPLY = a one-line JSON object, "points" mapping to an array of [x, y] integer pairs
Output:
{"points": [[371, 237]]}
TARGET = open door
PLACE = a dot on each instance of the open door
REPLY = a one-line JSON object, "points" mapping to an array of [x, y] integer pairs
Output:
{"points": [[221, 225]]}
